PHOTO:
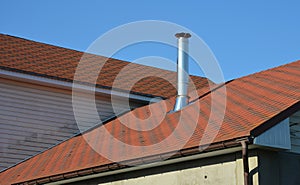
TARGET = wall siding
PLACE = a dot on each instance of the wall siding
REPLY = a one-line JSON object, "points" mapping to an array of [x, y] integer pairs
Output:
{"points": [[295, 132], [34, 118], [276, 137]]}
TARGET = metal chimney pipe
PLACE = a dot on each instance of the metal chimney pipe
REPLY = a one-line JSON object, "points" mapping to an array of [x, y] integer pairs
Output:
{"points": [[182, 71]]}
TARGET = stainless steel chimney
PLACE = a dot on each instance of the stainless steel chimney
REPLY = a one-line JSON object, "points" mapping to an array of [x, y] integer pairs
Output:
{"points": [[182, 71]]}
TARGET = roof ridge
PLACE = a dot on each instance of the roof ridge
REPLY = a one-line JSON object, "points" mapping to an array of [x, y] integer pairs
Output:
{"points": [[269, 69], [62, 47], [39, 42]]}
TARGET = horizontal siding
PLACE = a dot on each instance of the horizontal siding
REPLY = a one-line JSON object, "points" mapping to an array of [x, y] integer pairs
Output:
{"points": [[34, 118], [295, 132], [20, 121], [44, 102], [8, 125]]}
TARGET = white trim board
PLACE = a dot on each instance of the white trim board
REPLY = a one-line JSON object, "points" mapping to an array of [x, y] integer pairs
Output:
{"points": [[68, 85]]}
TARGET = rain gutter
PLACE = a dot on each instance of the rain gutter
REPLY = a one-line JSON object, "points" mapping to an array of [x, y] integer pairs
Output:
{"points": [[183, 155]]}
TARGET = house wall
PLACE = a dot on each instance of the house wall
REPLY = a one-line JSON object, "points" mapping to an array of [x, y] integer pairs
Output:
{"points": [[229, 173], [34, 118], [265, 167], [219, 170], [295, 132]]}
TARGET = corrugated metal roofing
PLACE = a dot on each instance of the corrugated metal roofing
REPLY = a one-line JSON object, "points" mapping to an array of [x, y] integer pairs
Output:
{"points": [[254, 104]]}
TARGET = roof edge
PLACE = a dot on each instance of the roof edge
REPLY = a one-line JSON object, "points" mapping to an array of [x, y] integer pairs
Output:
{"points": [[36, 41], [275, 120], [188, 154], [67, 84]]}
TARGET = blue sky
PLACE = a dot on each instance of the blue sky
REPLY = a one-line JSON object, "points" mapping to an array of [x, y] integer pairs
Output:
{"points": [[245, 36]]}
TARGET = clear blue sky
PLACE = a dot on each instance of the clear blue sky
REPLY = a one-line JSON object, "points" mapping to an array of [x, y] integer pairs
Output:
{"points": [[245, 36]]}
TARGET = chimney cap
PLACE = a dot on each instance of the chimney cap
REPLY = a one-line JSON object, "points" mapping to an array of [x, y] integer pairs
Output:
{"points": [[182, 34]]}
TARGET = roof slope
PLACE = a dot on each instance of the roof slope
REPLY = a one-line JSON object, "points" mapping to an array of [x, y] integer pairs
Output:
{"points": [[29, 57], [254, 104]]}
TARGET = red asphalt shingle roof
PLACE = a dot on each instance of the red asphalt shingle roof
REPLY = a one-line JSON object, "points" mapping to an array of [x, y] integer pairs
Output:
{"points": [[254, 104], [34, 58]]}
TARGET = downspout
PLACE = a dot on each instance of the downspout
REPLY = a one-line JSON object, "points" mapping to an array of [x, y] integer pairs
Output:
{"points": [[245, 161]]}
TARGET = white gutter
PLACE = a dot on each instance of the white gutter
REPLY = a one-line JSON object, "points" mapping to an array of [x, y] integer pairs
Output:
{"points": [[68, 85], [155, 164]]}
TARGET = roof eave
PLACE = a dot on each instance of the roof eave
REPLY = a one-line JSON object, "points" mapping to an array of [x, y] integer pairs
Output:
{"points": [[69, 85], [215, 149]]}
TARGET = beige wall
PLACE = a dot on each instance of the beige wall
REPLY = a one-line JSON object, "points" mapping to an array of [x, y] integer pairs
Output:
{"points": [[228, 172], [267, 167]]}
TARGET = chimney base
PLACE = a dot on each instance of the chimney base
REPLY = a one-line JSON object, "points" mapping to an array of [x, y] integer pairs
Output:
{"points": [[181, 101]]}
